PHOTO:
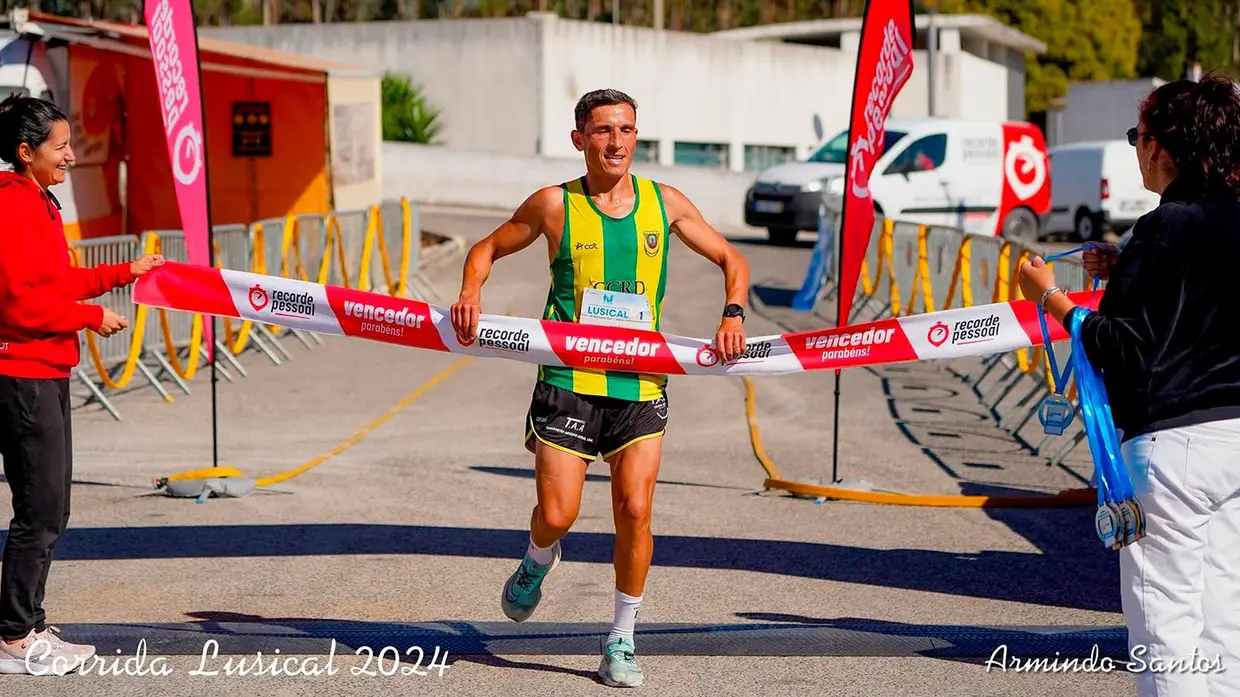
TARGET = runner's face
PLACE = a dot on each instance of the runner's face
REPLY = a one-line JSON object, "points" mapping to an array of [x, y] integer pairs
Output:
{"points": [[609, 138]]}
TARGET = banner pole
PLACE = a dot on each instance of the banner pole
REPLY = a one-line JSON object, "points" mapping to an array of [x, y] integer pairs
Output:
{"points": [[843, 303], [835, 434], [172, 33], [206, 177]]}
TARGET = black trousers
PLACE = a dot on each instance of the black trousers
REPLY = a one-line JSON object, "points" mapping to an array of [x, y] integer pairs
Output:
{"points": [[36, 442]]}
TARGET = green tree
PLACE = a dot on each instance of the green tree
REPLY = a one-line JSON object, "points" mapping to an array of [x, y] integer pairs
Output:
{"points": [[1180, 32], [407, 115], [1085, 40]]}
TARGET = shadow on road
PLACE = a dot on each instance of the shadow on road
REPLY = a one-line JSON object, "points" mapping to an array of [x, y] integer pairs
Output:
{"points": [[802, 242], [975, 644], [936, 412], [1059, 578], [528, 473]]}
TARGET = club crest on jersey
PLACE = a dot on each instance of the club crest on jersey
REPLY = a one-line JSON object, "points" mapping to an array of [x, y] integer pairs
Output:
{"points": [[652, 243]]}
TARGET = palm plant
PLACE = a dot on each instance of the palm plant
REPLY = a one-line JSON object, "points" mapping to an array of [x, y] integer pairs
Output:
{"points": [[407, 115]]}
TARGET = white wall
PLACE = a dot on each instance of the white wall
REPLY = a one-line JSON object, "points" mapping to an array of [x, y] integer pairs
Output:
{"points": [[482, 73], [1101, 110], [981, 89], [509, 85], [692, 87], [432, 175]]}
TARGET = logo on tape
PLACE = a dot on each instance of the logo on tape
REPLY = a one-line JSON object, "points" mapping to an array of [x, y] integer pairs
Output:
{"points": [[282, 303], [756, 351], [383, 320], [613, 351], [514, 340], [966, 331], [837, 346], [258, 298], [706, 357]]}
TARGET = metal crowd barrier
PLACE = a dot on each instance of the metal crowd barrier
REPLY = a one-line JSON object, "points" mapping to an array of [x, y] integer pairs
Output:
{"points": [[378, 250], [911, 268]]}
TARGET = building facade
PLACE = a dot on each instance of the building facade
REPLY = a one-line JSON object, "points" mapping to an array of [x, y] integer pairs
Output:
{"points": [[728, 100]]}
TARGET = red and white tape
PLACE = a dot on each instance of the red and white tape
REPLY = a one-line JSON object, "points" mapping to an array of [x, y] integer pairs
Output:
{"points": [[971, 331]]}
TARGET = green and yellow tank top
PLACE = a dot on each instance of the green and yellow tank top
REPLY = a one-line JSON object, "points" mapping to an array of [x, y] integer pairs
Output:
{"points": [[627, 255]]}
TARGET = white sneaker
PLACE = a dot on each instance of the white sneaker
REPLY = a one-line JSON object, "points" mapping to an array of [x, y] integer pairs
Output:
{"points": [[41, 654], [83, 651]]}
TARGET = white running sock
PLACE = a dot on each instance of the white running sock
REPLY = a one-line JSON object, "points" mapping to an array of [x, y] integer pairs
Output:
{"points": [[540, 555], [625, 617]]}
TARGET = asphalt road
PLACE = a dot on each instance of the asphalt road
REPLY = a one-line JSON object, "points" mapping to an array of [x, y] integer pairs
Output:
{"points": [[405, 534]]}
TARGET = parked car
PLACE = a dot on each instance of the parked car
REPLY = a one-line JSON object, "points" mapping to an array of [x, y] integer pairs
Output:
{"points": [[984, 177], [1096, 187]]}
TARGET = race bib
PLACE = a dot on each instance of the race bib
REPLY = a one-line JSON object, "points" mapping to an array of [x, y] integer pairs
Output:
{"points": [[615, 309]]}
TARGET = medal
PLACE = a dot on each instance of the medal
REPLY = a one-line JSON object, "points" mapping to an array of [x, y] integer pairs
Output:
{"points": [[1056, 414]]}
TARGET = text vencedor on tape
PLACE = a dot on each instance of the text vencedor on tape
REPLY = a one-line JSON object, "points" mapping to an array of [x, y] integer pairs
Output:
{"points": [[972, 331]]}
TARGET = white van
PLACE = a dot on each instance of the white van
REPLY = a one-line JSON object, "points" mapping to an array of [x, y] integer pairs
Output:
{"points": [[984, 177], [1096, 187]]}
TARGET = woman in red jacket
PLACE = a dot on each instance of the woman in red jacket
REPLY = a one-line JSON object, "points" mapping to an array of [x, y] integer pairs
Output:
{"points": [[40, 315]]}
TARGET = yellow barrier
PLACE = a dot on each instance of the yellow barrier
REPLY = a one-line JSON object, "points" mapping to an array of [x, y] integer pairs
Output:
{"points": [[116, 372], [1028, 360]]}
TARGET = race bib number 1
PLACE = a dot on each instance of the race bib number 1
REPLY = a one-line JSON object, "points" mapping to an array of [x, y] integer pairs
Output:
{"points": [[614, 309]]}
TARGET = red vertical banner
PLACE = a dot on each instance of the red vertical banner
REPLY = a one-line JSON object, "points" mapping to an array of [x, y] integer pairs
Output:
{"points": [[174, 55], [884, 64]]}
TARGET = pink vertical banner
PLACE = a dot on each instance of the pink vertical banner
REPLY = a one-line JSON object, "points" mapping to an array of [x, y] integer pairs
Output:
{"points": [[174, 54]]}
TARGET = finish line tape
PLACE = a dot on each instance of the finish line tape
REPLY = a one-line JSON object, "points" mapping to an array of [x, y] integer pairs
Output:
{"points": [[972, 331]]}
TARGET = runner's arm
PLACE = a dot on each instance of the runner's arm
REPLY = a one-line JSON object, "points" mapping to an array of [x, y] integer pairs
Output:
{"points": [[515, 234], [687, 222]]}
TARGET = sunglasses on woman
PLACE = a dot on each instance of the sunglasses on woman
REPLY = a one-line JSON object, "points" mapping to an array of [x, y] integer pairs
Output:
{"points": [[1132, 136]]}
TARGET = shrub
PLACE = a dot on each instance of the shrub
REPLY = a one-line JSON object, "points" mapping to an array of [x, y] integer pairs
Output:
{"points": [[407, 116]]}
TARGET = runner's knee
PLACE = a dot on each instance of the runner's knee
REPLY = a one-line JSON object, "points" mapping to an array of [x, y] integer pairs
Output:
{"points": [[634, 507]]}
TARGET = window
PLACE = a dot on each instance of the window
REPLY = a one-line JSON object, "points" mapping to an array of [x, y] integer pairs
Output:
{"points": [[836, 149], [701, 154], [922, 155], [759, 157], [646, 151]]}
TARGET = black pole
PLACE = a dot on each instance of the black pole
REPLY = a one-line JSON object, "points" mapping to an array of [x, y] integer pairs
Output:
{"points": [[835, 435], [840, 320], [206, 178]]}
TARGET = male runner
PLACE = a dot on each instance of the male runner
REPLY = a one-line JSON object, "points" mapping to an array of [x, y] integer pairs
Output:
{"points": [[606, 231]]}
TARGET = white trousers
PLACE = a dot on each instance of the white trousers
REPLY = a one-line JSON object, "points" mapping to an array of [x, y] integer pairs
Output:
{"points": [[1180, 584]]}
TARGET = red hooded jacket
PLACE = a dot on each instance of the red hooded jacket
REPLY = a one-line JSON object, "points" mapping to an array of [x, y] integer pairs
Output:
{"points": [[39, 289]]}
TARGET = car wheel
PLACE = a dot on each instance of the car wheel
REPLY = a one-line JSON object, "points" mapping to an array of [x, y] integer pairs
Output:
{"points": [[782, 235], [1021, 226], [1085, 227]]}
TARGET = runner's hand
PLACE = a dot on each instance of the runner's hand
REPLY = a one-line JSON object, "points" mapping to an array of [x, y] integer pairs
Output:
{"points": [[465, 314], [730, 339], [1099, 258]]}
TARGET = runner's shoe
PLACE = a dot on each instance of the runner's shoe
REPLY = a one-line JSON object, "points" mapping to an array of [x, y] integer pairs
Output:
{"points": [[41, 654], [523, 590], [619, 668]]}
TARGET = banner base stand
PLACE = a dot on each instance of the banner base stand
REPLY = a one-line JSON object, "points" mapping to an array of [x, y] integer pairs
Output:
{"points": [[848, 484]]}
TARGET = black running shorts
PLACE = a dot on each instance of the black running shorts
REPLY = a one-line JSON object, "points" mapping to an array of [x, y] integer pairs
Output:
{"points": [[586, 425]]}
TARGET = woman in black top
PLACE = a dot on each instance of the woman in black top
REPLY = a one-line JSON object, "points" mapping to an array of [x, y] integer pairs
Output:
{"points": [[1165, 339]]}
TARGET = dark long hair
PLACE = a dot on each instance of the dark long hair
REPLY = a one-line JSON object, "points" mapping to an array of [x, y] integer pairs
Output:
{"points": [[1198, 124], [25, 120]]}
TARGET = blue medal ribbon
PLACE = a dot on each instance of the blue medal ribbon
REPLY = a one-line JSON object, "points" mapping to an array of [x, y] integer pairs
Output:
{"points": [[1120, 520]]}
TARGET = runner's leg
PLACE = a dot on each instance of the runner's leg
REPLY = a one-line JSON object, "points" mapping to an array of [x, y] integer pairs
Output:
{"points": [[634, 438], [559, 428]]}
